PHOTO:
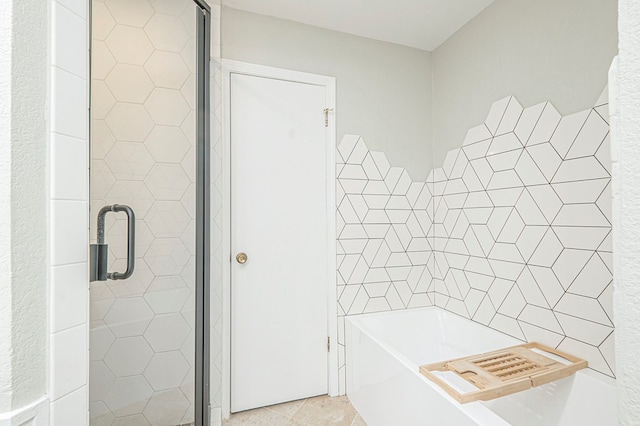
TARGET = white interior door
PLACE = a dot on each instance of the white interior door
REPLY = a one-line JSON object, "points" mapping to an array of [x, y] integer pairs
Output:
{"points": [[279, 218]]}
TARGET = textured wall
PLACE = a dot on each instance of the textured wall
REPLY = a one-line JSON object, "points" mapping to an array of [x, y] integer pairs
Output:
{"points": [[513, 231], [543, 50], [142, 329], [383, 89], [23, 215], [626, 156]]}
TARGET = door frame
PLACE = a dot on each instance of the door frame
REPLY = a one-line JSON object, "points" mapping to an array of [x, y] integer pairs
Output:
{"points": [[230, 67]]}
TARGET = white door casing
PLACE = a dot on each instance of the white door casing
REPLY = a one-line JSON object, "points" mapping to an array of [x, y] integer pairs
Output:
{"points": [[280, 210]]}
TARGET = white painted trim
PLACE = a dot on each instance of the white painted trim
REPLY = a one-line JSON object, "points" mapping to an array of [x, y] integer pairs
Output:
{"points": [[34, 414], [229, 67]]}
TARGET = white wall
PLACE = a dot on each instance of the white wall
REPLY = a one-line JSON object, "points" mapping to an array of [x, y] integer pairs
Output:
{"points": [[543, 50], [23, 209], [384, 90], [626, 157]]}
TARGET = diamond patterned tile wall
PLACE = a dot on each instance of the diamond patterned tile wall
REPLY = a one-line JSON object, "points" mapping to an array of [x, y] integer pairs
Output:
{"points": [[142, 353], [513, 231]]}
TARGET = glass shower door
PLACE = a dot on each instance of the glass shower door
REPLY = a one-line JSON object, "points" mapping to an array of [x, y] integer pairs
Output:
{"points": [[144, 149]]}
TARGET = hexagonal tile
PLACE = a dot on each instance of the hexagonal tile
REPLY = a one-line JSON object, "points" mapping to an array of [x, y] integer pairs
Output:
{"points": [[188, 54], [102, 22], [188, 237], [167, 219], [129, 122], [134, 13], [188, 17], [101, 300], [171, 7], [167, 294], [100, 340], [189, 200], [167, 256], [167, 181], [128, 317], [100, 414], [128, 396], [101, 179], [167, 106], [101, 99], [188, 90], [137, 284], [167, 332], [101, 380], [188, 164], [188, 127], [166, 370], [129, 45], [188, 273], [167, 69], [102, 140], [129, 161], [135, 420], [188, 311], [132, 193], [167, 144], [188, 351], [128, 356], [129, 83], [167, 32], [166, 408], [102, 61]]}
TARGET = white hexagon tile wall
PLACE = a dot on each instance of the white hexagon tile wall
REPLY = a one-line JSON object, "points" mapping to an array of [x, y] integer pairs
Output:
{"points": [[513, 231], [142, 336]]}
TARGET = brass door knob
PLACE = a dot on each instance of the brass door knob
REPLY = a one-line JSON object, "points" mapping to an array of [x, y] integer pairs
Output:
{"points": [[241, 258]]}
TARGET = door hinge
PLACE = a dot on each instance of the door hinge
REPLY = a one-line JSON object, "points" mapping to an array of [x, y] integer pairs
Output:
{"points": [[328, 344], [326, 116]]}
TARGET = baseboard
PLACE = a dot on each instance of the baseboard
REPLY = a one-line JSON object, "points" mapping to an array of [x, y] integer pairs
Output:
{"points": [[34, 414]]}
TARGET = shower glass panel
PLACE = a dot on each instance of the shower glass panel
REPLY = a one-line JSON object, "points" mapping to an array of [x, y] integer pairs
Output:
{"points": [[143, 329]]}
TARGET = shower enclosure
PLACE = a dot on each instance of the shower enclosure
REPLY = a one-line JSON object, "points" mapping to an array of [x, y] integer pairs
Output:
{"points": [[149, 133]]}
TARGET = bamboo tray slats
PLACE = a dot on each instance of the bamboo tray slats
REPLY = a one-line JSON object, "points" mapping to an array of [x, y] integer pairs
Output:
{"points": [[504, 371]]}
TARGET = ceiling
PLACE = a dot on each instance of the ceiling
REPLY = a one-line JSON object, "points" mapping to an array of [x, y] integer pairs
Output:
{"points": [[423, 24]]}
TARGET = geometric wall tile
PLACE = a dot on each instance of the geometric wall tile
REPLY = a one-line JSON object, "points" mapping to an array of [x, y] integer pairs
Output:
{"points": [[101, 102], [166, 408], [496, 113], [590, 137], [128, 395], [166, 370], [167, 69], [129, 161], [128, 317], [166, 332], [545, 126], [167, 256], [129, 122], [129, 45], [167, 33], [129, 83], [545, 158], [128, 356], [132, 13], [167, 219], [510, 118], [167, 181], [586, 191], [167, 106], [527, 122], [102, 21], [102, 61], [593, 279], [567, 131]]}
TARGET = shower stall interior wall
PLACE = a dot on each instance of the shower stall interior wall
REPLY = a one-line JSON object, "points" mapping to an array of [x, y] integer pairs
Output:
{"points": [[142, 338]]}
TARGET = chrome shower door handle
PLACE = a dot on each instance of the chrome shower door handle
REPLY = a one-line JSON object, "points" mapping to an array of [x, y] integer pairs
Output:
{"points": [[99, 251]]}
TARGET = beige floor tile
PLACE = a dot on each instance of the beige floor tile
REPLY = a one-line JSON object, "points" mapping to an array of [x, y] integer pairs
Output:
{"points": [[358, 421], [258, 417], [287, 409], [323, 410]]}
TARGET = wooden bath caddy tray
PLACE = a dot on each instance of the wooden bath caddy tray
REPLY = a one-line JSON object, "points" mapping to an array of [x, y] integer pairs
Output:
{"points": [[504, 371]]}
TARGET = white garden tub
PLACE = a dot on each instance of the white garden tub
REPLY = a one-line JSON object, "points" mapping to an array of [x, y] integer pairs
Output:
{"points": [[383, 382]]}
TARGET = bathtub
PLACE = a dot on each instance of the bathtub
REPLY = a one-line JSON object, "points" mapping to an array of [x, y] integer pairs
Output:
{"points": [[384, 350]]}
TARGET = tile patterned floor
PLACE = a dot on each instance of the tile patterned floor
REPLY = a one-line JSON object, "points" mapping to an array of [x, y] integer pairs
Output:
{"points": [[318, 411]]}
